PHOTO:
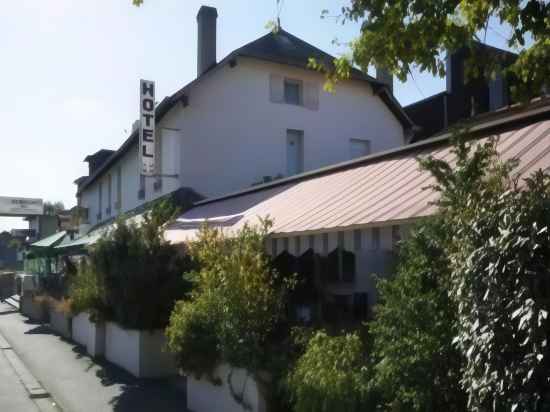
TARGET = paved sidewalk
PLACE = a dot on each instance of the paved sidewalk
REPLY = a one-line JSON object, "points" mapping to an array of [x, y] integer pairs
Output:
{"points": [[78, 383], [13, 396]]}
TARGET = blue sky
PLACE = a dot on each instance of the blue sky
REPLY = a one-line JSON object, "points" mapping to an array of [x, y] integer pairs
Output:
{"points": [[70, 72]]}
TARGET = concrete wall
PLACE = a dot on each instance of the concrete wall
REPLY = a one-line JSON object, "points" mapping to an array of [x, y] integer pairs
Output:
{"points": [[231, 134], [89, 334], [60, 323], [122, 347], [203, 396], [142, 353]]}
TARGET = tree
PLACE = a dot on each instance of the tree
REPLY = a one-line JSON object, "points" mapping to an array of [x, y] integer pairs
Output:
{"points": [[401, 34], [500, 282], [417, 366], [53, 208]]}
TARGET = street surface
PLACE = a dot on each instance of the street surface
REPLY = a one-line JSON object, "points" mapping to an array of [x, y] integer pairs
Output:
{"points": [[75, 381]]}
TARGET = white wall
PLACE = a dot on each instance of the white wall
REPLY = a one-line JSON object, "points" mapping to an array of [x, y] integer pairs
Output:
{"points": [[231, 134], [203, 396], [131, 181]]}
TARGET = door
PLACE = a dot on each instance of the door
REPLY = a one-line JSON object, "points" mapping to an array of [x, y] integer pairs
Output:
{"points": [[294, 152]]}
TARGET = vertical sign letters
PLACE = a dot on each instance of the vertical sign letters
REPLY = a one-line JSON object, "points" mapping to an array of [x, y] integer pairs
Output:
{"points": [[147, 127]]}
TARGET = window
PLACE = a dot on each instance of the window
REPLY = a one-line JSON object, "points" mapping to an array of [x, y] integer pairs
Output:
{"points": [[293, 92], [359, 148], [339, 266], [294, 152]]}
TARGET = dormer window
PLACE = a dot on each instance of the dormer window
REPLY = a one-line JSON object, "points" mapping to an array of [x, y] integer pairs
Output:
{"points": [[293, 92]]}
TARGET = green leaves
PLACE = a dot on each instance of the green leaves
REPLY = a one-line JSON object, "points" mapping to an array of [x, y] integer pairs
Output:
{"points": [[134, 276], [400, 35], [500, 282], [332, 375], [417, 367], [235, 306]]}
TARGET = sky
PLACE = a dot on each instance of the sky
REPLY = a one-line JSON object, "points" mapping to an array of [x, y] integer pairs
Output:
{"points": [[70, 74]]}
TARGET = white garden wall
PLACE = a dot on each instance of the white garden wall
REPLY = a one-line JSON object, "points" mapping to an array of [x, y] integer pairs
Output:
{"points": [[33, 310], [204, 396], [142, 353], [89, 334], [60, 322]]}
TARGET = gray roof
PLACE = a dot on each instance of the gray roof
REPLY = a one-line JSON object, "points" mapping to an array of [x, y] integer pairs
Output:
{"points": [[278, 47]]}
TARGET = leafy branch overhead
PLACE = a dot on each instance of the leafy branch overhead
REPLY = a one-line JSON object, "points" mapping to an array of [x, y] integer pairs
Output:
{"points": [[402, 34]]}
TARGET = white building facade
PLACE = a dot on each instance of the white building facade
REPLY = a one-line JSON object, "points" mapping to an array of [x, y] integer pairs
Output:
{"points": [[258, 115]]}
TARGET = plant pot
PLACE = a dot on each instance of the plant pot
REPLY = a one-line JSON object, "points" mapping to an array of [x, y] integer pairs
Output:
{"points": [[89, 334], [204, 396], [60, 322], [35, 311], [140, 352]]}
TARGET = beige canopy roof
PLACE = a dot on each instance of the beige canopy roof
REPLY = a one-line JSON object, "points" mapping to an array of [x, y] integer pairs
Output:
{"points": [[375, 190]]}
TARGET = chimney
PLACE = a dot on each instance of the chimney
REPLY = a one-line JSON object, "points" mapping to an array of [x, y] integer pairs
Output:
{"points": [[384, 76], [206, 47]]}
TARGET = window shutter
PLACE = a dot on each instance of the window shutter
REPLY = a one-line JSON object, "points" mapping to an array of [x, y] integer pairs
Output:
{"points": [[276, 88], [311, 95]]}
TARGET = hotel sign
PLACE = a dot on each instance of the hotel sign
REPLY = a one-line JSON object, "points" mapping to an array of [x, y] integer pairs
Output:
{"points": [[147, 127], [20, 206]]}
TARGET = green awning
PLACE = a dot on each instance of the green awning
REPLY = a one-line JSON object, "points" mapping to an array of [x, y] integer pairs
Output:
{"points": [[49, 241], [79, 243]]}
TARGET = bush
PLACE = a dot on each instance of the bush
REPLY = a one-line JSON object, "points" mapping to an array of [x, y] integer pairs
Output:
{"points": [[417, 365], [235, 305], [134, 276], [332, 375], [192, 337], [87, 292], [500, 281]]}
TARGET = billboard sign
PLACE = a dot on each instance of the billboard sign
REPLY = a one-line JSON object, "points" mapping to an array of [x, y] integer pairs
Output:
{"points": [[147, 127], [20, 206]]}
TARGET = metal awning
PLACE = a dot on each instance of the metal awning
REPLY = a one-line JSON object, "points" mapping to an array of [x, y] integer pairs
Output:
{"points": [[50, 241], [379, 190], [79, 243]]}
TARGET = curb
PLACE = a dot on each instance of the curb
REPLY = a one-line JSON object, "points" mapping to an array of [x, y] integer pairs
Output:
{"points": [[31, 384]]}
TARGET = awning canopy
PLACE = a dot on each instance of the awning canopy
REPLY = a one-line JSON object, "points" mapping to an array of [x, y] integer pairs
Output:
{"points": [[78, 244], [375, 190], [50, 241]]}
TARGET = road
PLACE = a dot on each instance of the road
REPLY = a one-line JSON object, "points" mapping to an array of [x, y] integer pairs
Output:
{"points": [[78, 383]]}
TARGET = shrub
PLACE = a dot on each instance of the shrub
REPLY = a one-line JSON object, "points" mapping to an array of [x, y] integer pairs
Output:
{"points": [[134, 276], [332, 375], [417, 365], [235, 305], [192, 337], [87, 292], [499, 257]]}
